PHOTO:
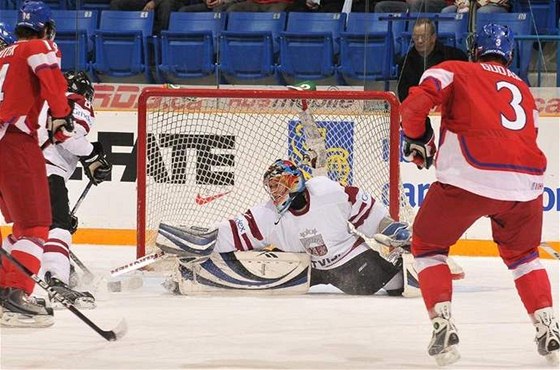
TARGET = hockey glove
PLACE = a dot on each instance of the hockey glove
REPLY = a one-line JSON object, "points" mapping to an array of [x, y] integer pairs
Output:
{"points": [[73, 224], [420, 151], [96, 166], [61, 129]]}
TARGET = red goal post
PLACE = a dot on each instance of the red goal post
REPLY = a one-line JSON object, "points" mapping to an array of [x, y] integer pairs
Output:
{"points": [[201, 153]]}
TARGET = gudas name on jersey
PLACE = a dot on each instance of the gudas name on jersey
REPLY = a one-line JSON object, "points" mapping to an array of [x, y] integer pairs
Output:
{"points": [[499, 69]]}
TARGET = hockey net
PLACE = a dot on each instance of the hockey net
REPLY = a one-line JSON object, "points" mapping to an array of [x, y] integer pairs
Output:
{"points": [[202, 153]]}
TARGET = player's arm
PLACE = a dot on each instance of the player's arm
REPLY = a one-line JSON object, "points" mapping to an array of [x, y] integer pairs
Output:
{"points": [[419, 146], [247, 231], [44, 63]]}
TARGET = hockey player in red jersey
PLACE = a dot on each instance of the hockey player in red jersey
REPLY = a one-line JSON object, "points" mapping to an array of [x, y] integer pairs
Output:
{"points": [[29, 75], [488, 164], [62, 159]]}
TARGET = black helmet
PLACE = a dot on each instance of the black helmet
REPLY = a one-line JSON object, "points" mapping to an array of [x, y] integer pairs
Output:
{"points": [[79, 83]]}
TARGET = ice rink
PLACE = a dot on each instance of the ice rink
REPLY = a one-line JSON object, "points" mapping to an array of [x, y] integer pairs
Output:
{"points": [[321, 330]]}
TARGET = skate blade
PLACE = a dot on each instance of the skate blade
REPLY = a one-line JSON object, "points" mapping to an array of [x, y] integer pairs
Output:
{"points": [[80, 303], [552, 358], [450, 356], [18, 320]]}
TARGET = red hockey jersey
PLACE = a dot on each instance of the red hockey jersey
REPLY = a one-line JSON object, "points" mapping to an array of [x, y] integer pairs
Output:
{"points": [[29, 75], [488, 135]]}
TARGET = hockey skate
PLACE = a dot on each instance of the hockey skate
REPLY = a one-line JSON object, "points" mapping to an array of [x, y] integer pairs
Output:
{"points": [[443, 346], [547, 337], [83, 300], [18, 310]]}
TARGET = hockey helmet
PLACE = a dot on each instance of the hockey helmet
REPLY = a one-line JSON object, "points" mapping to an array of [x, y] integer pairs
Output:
{"points": [[495, 39], [6, 37], [283, 181], [79, 83], [35, 15]]}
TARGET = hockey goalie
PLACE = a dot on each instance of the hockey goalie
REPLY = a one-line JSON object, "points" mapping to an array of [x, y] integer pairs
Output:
{"points": [[309, 232]]}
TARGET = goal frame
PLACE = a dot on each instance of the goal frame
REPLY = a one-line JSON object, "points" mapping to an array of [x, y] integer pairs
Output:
{"points": [[161, 92]]}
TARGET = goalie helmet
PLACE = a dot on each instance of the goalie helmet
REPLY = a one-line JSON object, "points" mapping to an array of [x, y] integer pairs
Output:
{"points": [[283, 181], [79, 83], [495, 39], [37, 16], [6, 37]]}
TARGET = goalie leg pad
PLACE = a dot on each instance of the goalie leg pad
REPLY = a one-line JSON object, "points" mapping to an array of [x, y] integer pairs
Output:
{"points": [[246, 273], [411, 285], [194, 241]]}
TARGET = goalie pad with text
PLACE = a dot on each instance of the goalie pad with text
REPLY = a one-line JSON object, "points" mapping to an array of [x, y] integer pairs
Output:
{"points": [[245, 273]]}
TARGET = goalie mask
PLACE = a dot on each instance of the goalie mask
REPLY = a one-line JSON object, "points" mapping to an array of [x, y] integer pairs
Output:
{"points": [[495, 39], [283, 181], [79, 83]]}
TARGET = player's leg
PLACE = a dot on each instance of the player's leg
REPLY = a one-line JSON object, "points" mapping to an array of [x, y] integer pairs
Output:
{"points": [[364, 274], [56, 260], [517, 232], [24, 189], [444, 216]]}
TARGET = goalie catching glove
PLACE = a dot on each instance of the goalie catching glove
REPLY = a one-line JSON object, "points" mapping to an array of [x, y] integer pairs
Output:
{"points": [[420, 151], [96, 166], [61, 129]]}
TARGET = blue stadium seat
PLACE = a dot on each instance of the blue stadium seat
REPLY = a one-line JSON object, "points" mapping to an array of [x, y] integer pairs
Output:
{"points": [[367, 48], [121, 44], [8, 5], [451, 29], [188, 46], [9, 17], [249, 46], [520, 24], [309, 45], [74, 37], [543, 13], [378, 22]]}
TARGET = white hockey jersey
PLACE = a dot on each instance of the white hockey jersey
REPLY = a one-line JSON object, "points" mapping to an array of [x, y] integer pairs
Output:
{"points": [[63, 158], [321, 229]]}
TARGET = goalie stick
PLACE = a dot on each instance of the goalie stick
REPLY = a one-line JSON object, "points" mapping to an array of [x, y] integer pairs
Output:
{"points": [[139, 263], [111, 335]]}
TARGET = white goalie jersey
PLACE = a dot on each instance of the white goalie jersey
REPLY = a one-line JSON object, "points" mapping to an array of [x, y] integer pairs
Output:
{"points": [[321, 229], [63, 158]]}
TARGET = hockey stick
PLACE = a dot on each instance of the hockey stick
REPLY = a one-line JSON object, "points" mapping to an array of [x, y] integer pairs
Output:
{"points": [[111, 335], [139, 263], [548, 249], [88, 274]]}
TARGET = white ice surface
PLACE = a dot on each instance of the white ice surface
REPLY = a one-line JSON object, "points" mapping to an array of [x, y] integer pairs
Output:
{"points": [[320, 330]]}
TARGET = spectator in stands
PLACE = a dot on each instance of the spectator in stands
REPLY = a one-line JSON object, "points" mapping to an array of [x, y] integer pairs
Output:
{"points": [[412, 6], [162, 9], [483, 6], [427, 52], [260, 6], [323, 6], [209, 6]]}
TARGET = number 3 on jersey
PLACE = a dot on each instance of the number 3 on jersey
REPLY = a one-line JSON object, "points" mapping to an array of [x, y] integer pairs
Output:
{"points": [[520, 119]]}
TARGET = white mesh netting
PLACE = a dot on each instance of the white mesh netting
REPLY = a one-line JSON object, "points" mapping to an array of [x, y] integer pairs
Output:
{"points": [[205, 156]]}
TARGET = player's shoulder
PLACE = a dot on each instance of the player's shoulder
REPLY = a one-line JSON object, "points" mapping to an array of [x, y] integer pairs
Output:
{"points": [[322, 185], [81, 102], [37, 46]]}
